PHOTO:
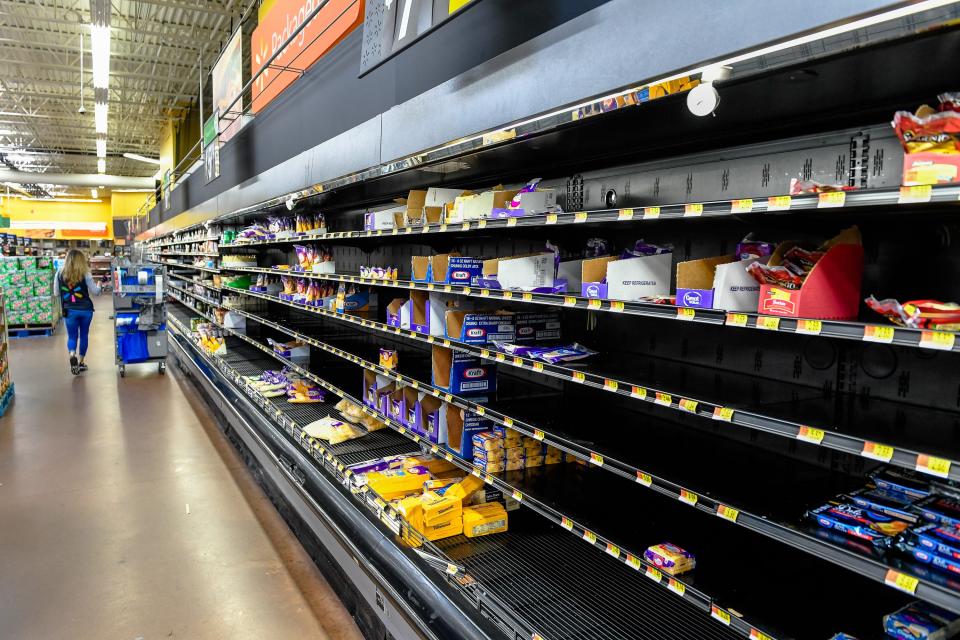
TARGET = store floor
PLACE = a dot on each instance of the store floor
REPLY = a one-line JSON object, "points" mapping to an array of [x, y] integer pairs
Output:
{"points": [[124, 514]]}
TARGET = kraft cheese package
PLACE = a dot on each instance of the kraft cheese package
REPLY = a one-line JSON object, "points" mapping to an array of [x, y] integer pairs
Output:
{"points": [[921, 621], [462, 373], [902, 481], [531, 327], [857, 522], [477, 327], [944, 541], [891, 503], [940, 509]]}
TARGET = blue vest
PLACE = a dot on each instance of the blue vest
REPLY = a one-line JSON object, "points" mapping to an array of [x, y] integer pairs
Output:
{"points": [[76, 297]]}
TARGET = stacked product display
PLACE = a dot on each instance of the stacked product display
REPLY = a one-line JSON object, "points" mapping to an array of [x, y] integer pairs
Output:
{"points": [[664, 397], [6, 383], [30, 300]]}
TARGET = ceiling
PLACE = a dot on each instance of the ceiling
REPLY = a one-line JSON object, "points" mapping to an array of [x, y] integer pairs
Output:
{"points": [[155, 48]]}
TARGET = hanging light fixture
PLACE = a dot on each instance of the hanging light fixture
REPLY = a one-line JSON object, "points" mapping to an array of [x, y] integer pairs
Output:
{"points": [[101, 165], [100, 52]]}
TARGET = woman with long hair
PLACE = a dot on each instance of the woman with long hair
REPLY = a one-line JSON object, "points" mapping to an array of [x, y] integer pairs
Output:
{"points": [[76, 285]]}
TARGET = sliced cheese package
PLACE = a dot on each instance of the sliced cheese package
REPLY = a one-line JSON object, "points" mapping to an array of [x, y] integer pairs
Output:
{"points": [[441, 484], [533, 461], [514, 453], [372, 424], [487, 441], [514, 465], [484, 519], [436, 466], [465, 487], [396, 483], [440, 508], [438, 531]]}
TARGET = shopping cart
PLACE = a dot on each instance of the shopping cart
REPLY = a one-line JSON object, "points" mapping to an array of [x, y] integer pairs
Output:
{"points": [[140, 315]]}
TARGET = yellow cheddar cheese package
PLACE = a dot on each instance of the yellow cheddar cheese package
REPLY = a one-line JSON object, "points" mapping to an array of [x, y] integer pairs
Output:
{"points": [[440, 530], [484, 519], [396, 483], [436, 466], [440, 508], [465, 487]]}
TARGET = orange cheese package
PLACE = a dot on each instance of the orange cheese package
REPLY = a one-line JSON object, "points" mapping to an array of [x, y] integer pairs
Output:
{"points": [[444, 529], [484, 519], [465, 487], [396, 483]]}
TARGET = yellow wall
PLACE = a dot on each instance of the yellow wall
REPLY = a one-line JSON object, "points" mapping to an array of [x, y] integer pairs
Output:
{"points": [[17, 209], [126, 205], [265, 6]]}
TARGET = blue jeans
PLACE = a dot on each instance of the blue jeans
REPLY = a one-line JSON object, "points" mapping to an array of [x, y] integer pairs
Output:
{"points": [[78, 326]]}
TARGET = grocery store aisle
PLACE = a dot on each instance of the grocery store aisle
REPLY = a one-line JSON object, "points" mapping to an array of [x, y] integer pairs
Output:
{"points": [[124, 514]]}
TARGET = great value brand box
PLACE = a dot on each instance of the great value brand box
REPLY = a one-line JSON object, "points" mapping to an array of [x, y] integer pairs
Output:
{"points": [[462, 373], [720, 282], [478, 327]]}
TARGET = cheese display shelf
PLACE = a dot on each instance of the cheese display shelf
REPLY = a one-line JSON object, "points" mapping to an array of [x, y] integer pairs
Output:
{"points": [[594, 516], [790, 424]]}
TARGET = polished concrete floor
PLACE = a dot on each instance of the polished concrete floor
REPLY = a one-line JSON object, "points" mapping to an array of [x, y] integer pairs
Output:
{"points": [[125, 515]]}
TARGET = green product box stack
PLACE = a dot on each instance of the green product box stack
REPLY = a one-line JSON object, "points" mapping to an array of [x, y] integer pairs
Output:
{"points": [[27, 282]]}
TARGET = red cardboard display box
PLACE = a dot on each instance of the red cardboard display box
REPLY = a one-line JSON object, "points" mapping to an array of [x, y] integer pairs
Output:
{"points": [[831, 291]]}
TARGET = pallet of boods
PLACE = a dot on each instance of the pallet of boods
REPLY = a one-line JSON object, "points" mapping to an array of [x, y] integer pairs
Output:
{"points": [[27, 282]]}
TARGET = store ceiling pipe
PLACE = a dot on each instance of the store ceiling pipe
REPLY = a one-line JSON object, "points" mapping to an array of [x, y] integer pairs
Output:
{"points": [[76, 179]]}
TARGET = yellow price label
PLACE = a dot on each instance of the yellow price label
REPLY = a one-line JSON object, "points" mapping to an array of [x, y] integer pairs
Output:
{"points": [[723, 413], [610, 385], [596, 459], [443, 228], [508, 295], [638, 392], [616, 305], [551, 218], [613, 550], [482, 223], [569, 301], [566, 523], [480, 410], [654, 574], [452, 569], [580, 216], [448, 288], [527, 297], [625, 214], [518, 361], [942, 340], [517, 495], [651, 213], [434, 449], [633, 561], [500, 357], [594, 303], [448, 397], [465, 227], [901, 581], [877, 451], [663, 399], [728, 513], [688, 497], [508, 421], [538, 366], [779, 203], [831, 199], [934, 466], [769, 323], [809, 434], [677, 587], [878, 333], [719, 614], [578, 376], [466, 291], [538, 435], [756, 634], [484, 293], [916, 193], [394, 231], [809, 327], [512, 222], [737, 319], [589, 536], [688, 405], [692, 209], [741, 206], [686, 313]]}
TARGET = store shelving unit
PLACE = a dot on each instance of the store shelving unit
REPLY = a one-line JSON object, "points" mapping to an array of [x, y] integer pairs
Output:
{"points": [[715, 430]]}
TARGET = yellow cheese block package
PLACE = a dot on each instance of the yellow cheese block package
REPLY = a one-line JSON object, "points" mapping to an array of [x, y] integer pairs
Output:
{"points": [[514, 465], [533, 461], [514, 453], [372, 424], [487, 441], [484, 519], [440, 483], [396, 483], [465, 487], [442, 530], [436, 466], [440, 508]]}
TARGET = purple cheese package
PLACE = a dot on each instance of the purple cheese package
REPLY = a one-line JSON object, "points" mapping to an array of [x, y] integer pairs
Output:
{"points": [[921, 621]]}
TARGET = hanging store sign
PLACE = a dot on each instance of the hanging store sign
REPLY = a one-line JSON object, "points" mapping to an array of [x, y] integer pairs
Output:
{"points": [[211, 148], [335, 21], [227, 82]]}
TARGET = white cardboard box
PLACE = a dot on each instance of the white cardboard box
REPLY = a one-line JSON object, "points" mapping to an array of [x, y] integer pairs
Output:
{"points": [[720, 282], [474, 207], [378, 220], [627, 278], [522, 272], [533, 202]]}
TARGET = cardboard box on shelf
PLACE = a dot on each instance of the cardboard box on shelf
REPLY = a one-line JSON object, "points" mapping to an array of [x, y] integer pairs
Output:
{"points": [[376, 391], [930, 167], [411, 397], [720, 282], [454, 269], [396, 405], [457, 428], [477, 327], [626, 278], [536, 326], [398, 313], [477, 206], [383, 219], [531, 203], [462, 373], [831, 291], [426, 207], [427, 421], [528, 271], [427, 311]]}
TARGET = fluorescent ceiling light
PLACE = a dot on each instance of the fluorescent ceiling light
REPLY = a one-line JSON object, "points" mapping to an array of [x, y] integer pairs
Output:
{"points": [[101, 147], [137, 156], [100, 117], [100, 48], [101, 165], [94, 194]]}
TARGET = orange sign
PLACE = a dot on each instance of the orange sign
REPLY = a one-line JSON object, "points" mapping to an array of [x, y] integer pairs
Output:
{"points": [[331, 25]]}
